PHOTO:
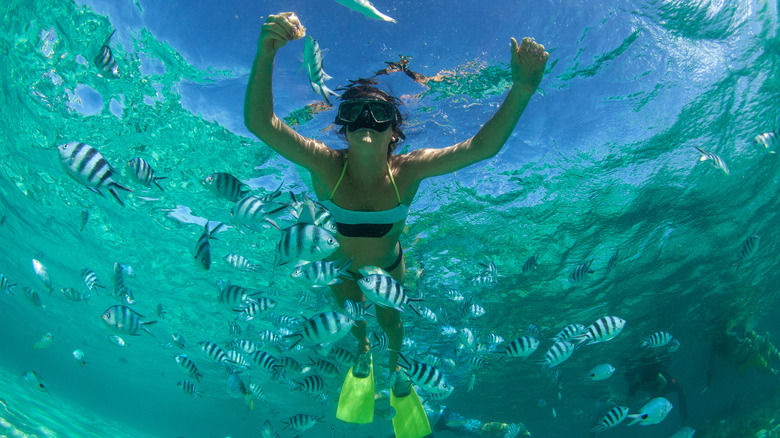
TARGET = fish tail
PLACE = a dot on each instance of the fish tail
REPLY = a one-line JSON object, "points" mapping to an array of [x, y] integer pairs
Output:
{"points": [[144, 324], [635, 418], [156, 178]]}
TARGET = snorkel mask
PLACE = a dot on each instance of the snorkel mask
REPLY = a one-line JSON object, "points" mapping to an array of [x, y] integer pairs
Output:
{"points": [[366, 113]]}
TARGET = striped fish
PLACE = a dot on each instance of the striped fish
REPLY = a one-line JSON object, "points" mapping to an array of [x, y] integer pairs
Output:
{"points": [[717, 162], [141, 172], [301, 422], [581, 272], [214, 352], [235, 360], [312, 60], [188, 367], [121, 292], [531, 264], [189, 388], [90, 279], [88, 167], [240, 262], [289, 364], [768, 140], [266, 361], [341, 355], [674, 345], [324, 368], [105, 59], [226, 186], [612, 264], [124, 320], [355, 310], [521, 347], [305, 242], [385, 291], [6, 285], [233, 296], [74, 295], [427, 377], [494, 339], [323, 328], [43, 274], [657, 339], [533, 331], [557, 354], [603, 330], [252, 211], [310, 208], [749, 249], [33, 297], [244, 345], [429, 315], [312, 384], [454, 295], [612, 419], [258, 393], [256, 308], [178, 340], [470, 310], [202, 249], [569, 332], [322, 273]]}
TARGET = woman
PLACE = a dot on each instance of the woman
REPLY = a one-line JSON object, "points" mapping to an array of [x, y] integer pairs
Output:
{"points": [[366, 188]]}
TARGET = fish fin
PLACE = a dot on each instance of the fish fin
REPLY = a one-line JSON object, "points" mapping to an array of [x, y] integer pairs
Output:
{"points": [[273, 223], [158, 184], [116, 196], [144, 324]]}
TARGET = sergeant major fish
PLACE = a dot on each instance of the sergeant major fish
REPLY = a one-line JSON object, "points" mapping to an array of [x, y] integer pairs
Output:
{"points": [[140, 171], [202, 251], [768, 140], [88, 167], [611, 419], [303, 241], [226, 186], [657, 339], [385, 291], [105, 59], [324, 328], [312, 60], [717, 162], [6, 285], [90, 279], [322, 273], [749, 249], [124, 320], [603, 330], [581, 272], [366, 8]]}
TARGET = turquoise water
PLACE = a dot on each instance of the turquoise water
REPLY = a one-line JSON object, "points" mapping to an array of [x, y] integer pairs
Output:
{"points": [[602, 160]]}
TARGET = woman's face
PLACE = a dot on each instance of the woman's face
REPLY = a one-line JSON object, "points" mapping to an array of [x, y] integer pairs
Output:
{"points": [[365, 137]]}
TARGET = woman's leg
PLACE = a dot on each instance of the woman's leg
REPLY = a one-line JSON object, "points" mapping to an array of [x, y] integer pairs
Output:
{"points": [[350, 290]]}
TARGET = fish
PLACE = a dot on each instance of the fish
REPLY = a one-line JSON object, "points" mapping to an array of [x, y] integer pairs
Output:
{"points": [[235, 361], [117, 340], [178, 340], [454, 295], [533, 331], [44, 342], [748, 250], [557, 354], [653, 412], [105, 61], [684, 432], [717, 162], [42, 273], [255, 308], [603, 330], [323, 328], [514, 430], [188, 366], [385, 291], [89, 168], [235, 387], [34, 380], [657, 339], [124, 320], [33, 297], [252, 211], [768, 140], [541, 403], [303, 241], [301, 422], [428, 314], [312, 60], [494, 339], [226, 186], [83, 218], [312, 384], [160, 312], [614, 417], [202, 250], [267, 431], [74, 295], [90, 279], [308, 208], [266, 361], [366, 8], [612, 263], [341, 355], [214, 352], [322, 273], [427, 377], [581, 272], [233, 296], [323, 367], [6, 285], [355, 310], [240, 262], [569, 332], [79, 357], [471, 310], [600, 372], [189, 388], [530, 264], [141, 172], [673, 346], [121, 292]]}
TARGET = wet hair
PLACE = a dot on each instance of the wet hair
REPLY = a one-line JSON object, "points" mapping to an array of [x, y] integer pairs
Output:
{"points": [[367, 89]]}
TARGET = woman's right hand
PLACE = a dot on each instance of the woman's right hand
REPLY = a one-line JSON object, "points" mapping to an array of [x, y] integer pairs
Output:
{"points": [[278, 30]]}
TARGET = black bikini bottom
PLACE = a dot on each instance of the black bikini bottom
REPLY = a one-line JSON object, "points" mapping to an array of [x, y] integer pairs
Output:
{"points": [[389, 268]]}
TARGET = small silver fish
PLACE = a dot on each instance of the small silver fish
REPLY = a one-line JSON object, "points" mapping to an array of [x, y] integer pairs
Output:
{"points": [[601, 372], [125, 320], [34, 380], [43, 274], [769, 140], [178, 340], [117, 340], [79, 357]]}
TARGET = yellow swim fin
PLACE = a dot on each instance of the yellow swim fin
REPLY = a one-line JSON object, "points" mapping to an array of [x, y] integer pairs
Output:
{"points": [[356, 402], [410, 419]]}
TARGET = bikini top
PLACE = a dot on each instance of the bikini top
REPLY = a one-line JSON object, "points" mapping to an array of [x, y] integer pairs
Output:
{"points": [[353, 223]]}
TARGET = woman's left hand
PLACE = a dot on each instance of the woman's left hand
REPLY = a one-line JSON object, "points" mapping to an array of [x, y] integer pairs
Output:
{"points": [[528, 62]]}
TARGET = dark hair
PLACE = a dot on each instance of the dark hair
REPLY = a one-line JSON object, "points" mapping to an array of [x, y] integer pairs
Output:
{"points": [[366, 89]]}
